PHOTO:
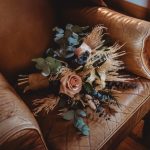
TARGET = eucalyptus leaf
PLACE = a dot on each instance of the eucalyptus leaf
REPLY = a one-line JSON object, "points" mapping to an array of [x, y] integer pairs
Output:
{"points": [[58, 37], [46, 71], [68, 115], [59, 30], [81, 126], [47, 65], [85, 130], [72, 41], [79, 123], [40, 63], [54, 65], [81, 113], [74, 35]]}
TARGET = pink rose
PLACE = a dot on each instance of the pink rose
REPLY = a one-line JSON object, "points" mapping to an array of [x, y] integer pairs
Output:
{"points": [[71, 84]]}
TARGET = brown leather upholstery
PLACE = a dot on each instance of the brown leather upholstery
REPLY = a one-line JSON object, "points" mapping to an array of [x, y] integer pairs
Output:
{"points": [[25, 32], [104, 134], [23, 24], [16, 122], [134, 33]]}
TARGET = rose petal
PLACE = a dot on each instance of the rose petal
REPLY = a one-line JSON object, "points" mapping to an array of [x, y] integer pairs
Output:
{"points": [[71, 84]]}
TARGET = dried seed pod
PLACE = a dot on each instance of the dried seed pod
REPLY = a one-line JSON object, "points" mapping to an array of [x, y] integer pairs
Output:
{"points": [[88, 97], [91, 104]]}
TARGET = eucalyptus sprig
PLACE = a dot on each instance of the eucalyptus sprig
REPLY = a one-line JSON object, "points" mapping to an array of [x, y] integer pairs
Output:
{"points": [[77, 117], [48, 65]]}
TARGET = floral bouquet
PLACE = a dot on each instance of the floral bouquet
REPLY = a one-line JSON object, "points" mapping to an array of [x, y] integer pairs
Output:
{"points": [[82, 71]]}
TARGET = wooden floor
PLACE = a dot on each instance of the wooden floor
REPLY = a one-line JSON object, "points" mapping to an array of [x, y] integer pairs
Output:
{"points": [[134, 140]]}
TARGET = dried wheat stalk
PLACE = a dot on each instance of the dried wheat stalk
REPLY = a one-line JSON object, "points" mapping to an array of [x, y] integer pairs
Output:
{"points": [[46, 104]]}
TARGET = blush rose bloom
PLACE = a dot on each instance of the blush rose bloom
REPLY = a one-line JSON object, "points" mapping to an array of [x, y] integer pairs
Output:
{"points": [[71, 84]]}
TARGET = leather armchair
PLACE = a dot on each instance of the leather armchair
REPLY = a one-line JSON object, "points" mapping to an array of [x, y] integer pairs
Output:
{"points": [[25, 28]]}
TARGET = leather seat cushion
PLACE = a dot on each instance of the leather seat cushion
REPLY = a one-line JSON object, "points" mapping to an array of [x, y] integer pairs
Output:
{"points": [[61, 135]]}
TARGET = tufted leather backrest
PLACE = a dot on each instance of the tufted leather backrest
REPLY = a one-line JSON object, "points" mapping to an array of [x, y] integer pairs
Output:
{"points": [[25, 32]]}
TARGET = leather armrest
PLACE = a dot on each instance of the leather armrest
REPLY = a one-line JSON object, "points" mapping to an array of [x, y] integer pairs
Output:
{"points": [[26, 139], [134, 33], [18, 127]]}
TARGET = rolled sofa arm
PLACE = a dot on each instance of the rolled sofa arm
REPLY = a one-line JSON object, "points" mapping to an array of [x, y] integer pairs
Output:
{"points": [[132, 32], [18, 128]]}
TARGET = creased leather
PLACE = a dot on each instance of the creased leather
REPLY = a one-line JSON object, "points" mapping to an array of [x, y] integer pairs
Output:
{"points": [[131, 32], [15, 117], [26, 139]]}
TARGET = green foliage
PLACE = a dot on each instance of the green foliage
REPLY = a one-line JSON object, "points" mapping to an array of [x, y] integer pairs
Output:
{"points": [[40, 63], [48, 65], [85, 130], [81, 126], [81, 113], [77, 116], [69, 115], [88, 88]]}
